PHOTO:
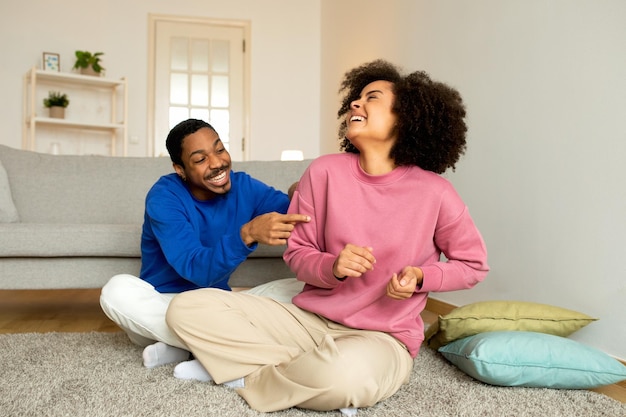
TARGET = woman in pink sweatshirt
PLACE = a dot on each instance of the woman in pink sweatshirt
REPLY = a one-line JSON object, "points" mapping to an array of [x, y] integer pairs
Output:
{"points": [[381, 216]]}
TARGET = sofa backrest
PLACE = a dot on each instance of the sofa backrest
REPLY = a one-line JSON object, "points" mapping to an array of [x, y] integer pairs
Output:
{"points": [[104, 189]]}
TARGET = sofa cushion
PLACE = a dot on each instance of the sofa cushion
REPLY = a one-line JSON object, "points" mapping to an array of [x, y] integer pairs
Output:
{"points": [[266, 251], [105, 189], [278, 174], [69, 240], [8, 212], [80, 189], [54, 239]]}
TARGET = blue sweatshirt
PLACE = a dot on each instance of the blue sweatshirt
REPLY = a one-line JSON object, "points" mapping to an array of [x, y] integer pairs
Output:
{"points": [[188, 244]]}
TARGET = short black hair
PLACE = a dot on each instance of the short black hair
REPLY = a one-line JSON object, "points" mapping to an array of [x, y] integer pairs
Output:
{"points": [[174, 141], [431, 125]]}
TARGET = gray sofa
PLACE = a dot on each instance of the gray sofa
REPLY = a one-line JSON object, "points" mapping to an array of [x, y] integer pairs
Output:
{"points": [[75, 221]]}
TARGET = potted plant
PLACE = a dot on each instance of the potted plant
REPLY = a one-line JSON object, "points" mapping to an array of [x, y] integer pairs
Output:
{"points": [[57, 103], [88, 63]]}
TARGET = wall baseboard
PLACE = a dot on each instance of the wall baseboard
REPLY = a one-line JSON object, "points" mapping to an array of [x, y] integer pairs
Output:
{"points": [[440, 308]]}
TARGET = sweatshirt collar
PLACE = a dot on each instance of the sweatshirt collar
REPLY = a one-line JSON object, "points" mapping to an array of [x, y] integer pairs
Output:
{"points": [[363, 176]]}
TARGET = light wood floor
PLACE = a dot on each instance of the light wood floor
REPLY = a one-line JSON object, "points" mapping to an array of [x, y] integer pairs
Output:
{"points": [[42, 311]]}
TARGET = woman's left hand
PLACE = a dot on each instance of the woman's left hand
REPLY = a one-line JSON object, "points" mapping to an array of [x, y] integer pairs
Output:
{"points": [[402, 286]]}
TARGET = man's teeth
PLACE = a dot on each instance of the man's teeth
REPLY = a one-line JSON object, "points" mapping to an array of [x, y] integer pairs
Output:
{"points": [[219, 177], [357, 118]]}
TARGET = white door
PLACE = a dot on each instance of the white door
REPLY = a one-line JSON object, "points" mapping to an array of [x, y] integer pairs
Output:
{"points": [[199, 73]]}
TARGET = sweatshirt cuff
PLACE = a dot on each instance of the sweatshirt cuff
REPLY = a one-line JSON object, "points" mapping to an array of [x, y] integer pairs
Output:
{"points": [[433, 278], [326, 271]]}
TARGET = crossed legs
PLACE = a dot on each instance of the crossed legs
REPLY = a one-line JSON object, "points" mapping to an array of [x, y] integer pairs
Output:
{"points": [[289, 357], [139, 309]]}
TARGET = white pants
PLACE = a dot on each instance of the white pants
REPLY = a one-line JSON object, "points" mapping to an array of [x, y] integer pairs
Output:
{"points": [[139, 309]]}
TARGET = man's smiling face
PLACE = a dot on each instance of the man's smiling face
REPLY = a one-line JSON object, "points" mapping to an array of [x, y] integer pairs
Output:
{"points": [[207, 164]]}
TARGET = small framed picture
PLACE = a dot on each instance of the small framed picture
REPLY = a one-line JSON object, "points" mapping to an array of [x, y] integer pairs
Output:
{"points": [[51, 62]]}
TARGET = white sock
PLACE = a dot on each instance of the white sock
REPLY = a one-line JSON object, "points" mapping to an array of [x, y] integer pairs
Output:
{"points": [[159, 354], [348, 411], [192, 370], [237, 383]]}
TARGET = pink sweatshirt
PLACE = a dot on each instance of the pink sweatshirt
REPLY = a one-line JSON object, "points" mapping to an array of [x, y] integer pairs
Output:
{"points": [[408, 216]]}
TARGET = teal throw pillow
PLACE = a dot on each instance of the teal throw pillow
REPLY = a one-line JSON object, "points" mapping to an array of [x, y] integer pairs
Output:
{"points": [[532, 359]]}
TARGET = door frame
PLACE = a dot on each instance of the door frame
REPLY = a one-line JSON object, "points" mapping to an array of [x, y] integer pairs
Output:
{"points": [[153, 19]]}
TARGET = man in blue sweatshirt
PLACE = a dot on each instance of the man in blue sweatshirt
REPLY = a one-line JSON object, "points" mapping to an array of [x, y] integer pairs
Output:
{"points": [[200, 224]]}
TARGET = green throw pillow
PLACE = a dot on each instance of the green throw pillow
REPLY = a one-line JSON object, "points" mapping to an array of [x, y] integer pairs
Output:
{"points": [[530, 359], [491, 316]]}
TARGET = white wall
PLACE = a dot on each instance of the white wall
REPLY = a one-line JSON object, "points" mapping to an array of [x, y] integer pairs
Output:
{"points": [[543, 82], [285, 60], [545, 88]]}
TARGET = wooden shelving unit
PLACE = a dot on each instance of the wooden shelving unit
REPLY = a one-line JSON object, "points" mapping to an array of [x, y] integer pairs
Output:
{"points": [[116, 124]]}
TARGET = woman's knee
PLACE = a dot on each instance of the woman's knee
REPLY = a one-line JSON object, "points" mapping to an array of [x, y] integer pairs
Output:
{"points": [[191, 306], [365, 368], [325, 366], [341, 380], [178, 309]]}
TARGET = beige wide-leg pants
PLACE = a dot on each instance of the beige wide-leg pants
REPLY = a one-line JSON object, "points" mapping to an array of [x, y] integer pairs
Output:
{"points": [[288, 356]]}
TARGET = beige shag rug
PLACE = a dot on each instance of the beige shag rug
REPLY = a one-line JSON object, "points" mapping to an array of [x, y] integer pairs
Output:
{"points": [[101, 374]]}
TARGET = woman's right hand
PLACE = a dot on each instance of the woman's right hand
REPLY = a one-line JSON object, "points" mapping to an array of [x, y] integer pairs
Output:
{"points": [[353, 261]]}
